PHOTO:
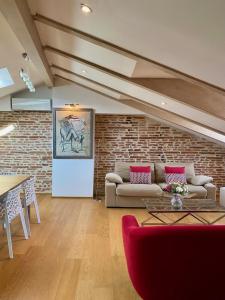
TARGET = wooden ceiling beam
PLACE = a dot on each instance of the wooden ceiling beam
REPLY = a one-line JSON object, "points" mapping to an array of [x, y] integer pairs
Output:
{"points": [[90, 80], [18, 16], [133, 81], [192, 95], [85, 86], [167, 116], [115, 48], [87, 63]]}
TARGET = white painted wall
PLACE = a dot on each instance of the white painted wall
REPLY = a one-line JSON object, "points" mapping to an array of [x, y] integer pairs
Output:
{"points": [[75, 177], [72, 93], [5, 104]]}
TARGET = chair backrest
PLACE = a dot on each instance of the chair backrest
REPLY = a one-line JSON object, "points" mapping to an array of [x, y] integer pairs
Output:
{"points": [[175, 262], [29, 190], [2, 210], [13, 203]]}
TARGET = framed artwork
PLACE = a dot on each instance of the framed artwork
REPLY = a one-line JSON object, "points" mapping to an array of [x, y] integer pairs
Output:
{"points": [[73, 133]]}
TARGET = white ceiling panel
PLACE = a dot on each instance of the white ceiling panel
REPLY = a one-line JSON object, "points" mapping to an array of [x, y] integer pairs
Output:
{"points": [[185, 35], [76, 46]]}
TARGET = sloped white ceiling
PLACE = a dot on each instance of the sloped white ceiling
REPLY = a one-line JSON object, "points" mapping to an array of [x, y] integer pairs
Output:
{"points": [[185, 35], [86, 50]]}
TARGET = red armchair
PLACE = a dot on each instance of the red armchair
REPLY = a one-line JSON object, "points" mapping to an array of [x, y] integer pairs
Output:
{"points": [[175, 262]]}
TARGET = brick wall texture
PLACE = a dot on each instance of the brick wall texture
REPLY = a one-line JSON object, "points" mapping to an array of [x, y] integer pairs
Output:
{"points": [[136, 138], [28, 149]]}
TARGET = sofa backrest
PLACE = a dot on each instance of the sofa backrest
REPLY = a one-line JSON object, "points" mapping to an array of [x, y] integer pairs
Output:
{"points": [[123, 169], [175, 262], [160, 170]]}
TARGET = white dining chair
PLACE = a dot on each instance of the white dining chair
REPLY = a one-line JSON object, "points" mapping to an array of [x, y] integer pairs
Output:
{"points": [[30, 198], [11, 207]]}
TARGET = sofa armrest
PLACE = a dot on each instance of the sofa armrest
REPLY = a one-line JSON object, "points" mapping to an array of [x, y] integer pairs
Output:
{"points": [[114, 178], [211, 190], [110, 194]]}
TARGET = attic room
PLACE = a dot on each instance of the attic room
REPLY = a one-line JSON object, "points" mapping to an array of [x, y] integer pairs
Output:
{"points": [[112, 158]]}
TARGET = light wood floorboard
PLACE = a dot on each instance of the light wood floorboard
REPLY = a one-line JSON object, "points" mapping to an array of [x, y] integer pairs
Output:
{"points": [[75, 253]]}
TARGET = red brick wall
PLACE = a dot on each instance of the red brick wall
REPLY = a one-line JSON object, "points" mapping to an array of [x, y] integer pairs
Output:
{"points": [[27, 149], [134, 138]]}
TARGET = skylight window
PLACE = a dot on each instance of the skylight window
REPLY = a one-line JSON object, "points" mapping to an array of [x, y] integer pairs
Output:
{"points": [[5, 78]]}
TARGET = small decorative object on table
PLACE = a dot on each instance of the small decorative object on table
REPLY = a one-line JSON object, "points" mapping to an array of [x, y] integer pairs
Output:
{"points": [[178, 190], [176, 201]]}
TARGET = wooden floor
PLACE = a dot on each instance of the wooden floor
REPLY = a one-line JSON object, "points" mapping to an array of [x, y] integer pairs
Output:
{"points": [[75, 253]]}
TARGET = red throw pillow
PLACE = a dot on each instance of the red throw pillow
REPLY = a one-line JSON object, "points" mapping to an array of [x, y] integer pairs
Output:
{"points": [[140, 174], [175, 174], [176, 170]]}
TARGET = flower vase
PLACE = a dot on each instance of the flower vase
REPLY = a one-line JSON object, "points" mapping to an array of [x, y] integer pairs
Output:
{"points": [[176, 201]]}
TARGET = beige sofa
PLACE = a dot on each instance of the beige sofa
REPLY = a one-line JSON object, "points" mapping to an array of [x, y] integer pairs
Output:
{"points": [[131, 195]]}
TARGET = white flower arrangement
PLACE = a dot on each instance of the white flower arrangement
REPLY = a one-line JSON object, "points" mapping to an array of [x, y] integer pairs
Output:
{"points": [[177, 188]]}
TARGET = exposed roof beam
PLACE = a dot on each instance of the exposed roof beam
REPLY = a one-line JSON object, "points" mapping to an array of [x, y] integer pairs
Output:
{"points": [[107, 45], [190, 94], [85, 86], [126, 95], [146, 95], [88, 79], [86, 62], [18, 16], [157, 112]]}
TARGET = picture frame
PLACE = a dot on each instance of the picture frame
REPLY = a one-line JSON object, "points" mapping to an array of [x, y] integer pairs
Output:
{"points": [[73, 133]]}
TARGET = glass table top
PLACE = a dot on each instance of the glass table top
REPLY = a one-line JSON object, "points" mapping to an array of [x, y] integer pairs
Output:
{"points": [[189, 205]]}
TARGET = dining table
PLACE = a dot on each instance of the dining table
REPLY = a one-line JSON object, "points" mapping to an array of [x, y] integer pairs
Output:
{"points": [[9, 182]]}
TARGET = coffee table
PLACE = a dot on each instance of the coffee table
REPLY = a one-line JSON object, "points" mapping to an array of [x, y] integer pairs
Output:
{"points": [[191, 207]]}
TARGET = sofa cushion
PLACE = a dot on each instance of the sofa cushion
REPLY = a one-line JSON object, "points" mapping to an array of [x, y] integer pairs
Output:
{"points": [[123, 169], [140, 190], [140, 174], [199, 191], [175, 174], [201, 180], [160, 170]]}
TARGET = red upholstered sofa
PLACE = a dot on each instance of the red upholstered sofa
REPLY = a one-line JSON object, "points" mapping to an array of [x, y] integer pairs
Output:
{"points": [[175, 262]]}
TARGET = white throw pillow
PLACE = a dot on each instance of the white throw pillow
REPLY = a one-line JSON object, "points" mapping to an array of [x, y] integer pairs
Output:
{"points": [[113, 177], [201, 180]]}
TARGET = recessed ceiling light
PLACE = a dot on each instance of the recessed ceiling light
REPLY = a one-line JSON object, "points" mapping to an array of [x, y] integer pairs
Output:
{"points": [[163, 103], [84, 71], [5, 78], [85, 9]]}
